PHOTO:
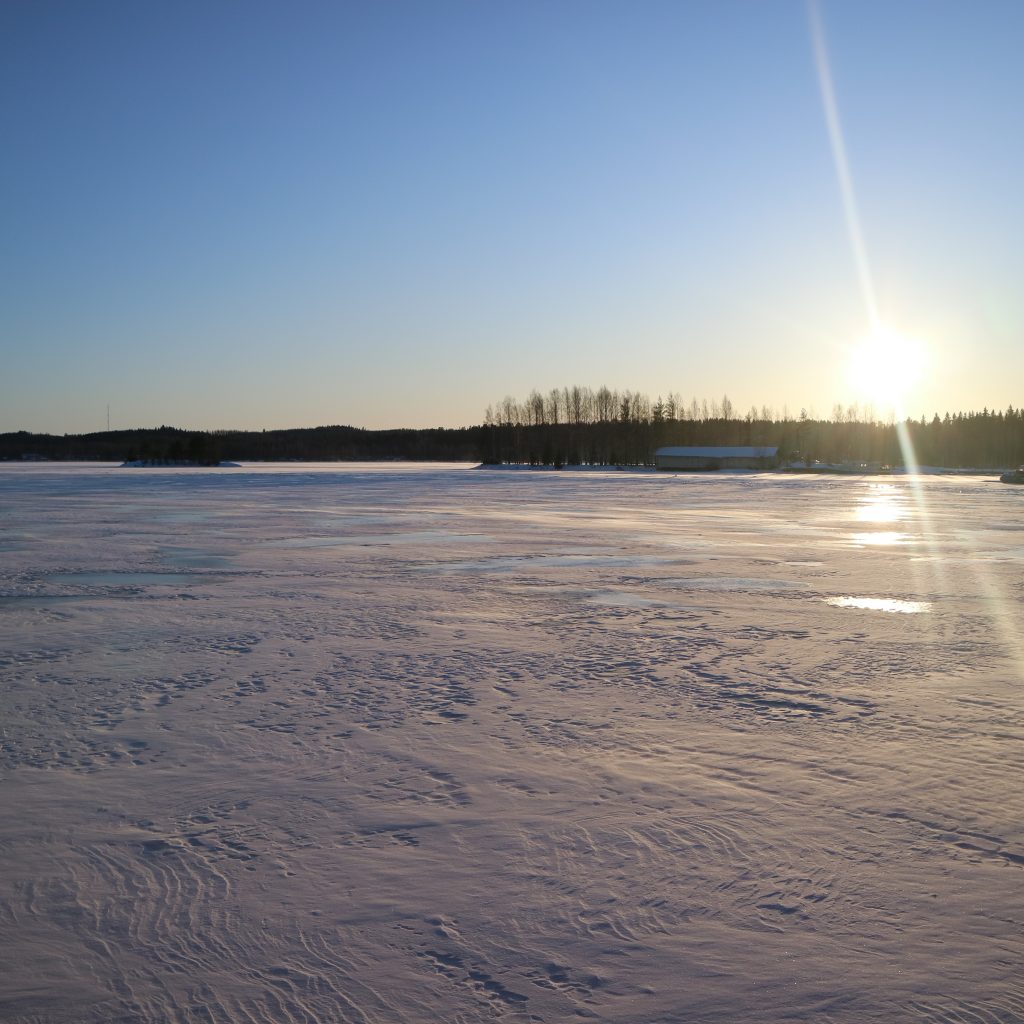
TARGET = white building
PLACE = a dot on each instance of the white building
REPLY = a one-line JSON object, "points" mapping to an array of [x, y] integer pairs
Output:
{"points": [[717, 457]]}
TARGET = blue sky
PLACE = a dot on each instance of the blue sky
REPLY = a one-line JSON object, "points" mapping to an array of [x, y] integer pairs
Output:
{"points": [[392, 214]]}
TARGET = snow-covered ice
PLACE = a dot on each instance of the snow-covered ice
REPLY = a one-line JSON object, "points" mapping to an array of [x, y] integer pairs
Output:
{"points": [[388, 744]]}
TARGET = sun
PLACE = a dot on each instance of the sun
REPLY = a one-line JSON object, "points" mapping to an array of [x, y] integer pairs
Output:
{"points": [[885, 366]]}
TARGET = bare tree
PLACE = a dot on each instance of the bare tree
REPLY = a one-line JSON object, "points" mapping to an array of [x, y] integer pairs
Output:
{"points": [[535, 404], [624, 406], [553, 406], [510, 412], [575, 404]]}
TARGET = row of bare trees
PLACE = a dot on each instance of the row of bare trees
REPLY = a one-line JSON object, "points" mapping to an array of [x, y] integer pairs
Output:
{"points": [[605, 426], [577, 405]]}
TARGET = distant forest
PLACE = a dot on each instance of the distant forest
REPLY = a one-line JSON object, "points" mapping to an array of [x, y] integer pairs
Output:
{"points": [[313, 444], [572, 426]]}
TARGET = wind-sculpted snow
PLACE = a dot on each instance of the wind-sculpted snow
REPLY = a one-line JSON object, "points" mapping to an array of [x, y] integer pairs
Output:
{"points": [[401, 744]]}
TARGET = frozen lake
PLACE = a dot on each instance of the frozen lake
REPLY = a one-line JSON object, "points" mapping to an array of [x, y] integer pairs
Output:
{"points": [[383, 744]]}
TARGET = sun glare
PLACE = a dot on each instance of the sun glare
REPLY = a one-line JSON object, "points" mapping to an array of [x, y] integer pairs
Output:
{"points": [[885, 366]]}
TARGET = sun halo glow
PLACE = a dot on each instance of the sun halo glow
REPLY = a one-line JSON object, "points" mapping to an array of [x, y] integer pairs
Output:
{"points": [[885, 366]]}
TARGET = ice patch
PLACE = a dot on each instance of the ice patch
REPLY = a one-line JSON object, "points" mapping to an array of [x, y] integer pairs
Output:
{"points": [[407, 537], [515, 563], [729, 583], [123, 579], [620, 599]]}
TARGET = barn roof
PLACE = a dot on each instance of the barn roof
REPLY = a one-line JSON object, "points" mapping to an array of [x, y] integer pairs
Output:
{"points": [[722, 452]]}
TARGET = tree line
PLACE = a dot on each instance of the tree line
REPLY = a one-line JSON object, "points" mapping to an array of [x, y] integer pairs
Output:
{"points": [[312, 444], [574, 426], [579, 425]]}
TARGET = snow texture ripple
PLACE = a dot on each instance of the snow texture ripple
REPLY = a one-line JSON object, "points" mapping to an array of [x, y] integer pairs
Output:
{"points": [[385, 744]]}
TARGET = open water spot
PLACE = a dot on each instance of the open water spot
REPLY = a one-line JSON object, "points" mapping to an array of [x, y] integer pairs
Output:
{"points": [[729, 583], [123, 579], [182, 517], [40, 600], [194, 558], [881, 604], [334, 520]]}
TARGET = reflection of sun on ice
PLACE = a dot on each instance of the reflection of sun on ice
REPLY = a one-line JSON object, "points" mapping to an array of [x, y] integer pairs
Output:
{"points": [[886, 365], [881, 505]]}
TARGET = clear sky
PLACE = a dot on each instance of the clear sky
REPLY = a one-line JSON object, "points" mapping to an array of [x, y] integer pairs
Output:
{"points": [[265, 214]]}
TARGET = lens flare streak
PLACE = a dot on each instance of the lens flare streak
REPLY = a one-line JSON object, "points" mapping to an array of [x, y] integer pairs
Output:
{"points": [[835, 135]]}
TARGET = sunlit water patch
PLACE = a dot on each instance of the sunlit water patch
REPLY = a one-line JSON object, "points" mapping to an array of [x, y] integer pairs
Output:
{"points": [[883, 504], [880, 538], [881, 604], [879, 513]]}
